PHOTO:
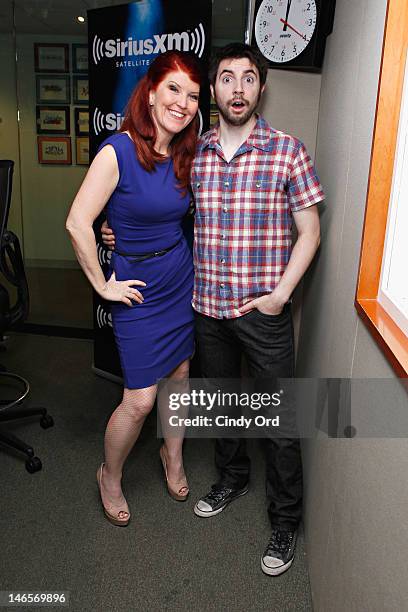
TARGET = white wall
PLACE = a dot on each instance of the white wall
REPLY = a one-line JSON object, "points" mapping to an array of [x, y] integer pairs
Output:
{"points": [[356, 491], [291, 103]]}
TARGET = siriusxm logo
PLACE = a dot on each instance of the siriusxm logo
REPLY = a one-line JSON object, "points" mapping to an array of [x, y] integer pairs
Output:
{"points": [[103, 318], [113, 121], [194, 41], [104, 255], [110, 121]]}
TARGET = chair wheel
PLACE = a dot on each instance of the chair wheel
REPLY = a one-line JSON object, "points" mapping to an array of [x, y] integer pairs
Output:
{"points": [[33, 465], [46, 421]]}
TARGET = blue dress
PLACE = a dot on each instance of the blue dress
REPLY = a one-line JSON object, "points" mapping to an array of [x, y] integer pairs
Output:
{"points": [[145, 212]]}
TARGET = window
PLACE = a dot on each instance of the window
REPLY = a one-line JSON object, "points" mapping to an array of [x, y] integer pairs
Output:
{"points": [[382, 289], [393, 290]]}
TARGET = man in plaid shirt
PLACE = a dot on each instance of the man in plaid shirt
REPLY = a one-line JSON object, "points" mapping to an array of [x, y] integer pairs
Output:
{"points": [[249, 182]]}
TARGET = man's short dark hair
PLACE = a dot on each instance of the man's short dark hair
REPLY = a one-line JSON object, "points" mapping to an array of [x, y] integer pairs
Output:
{"points": [[237, 51]]}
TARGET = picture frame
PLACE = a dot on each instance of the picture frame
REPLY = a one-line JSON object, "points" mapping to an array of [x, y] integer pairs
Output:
{"points": [[81, 121], [53, 119], [82, 151], [80, 89], [51, 57], [79, 57], [53, 89], [54, 150]]}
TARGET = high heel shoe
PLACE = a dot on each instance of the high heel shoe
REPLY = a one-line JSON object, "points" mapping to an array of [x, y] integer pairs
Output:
{"points": [[113, 514], [180, 494]]}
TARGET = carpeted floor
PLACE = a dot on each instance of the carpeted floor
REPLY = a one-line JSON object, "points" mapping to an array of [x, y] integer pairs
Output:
{"points": [[54, 536]]}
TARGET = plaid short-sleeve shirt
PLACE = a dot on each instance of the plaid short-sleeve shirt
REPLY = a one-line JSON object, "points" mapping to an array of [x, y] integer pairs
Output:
{"points": [[243, 220]]}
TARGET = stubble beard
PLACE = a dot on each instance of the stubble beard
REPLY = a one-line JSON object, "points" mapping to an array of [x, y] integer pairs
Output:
{"points": [[234, 120]]}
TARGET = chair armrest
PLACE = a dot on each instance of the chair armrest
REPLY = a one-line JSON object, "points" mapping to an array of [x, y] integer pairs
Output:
{"points": [[12, 266]]}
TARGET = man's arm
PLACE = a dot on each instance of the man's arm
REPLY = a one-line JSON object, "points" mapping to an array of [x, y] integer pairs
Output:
{"points": [[308, 228], [108, 237]]}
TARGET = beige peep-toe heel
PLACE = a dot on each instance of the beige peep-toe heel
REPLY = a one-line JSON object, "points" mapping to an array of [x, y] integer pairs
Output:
{"points": [[113, 512], [180, 493]]}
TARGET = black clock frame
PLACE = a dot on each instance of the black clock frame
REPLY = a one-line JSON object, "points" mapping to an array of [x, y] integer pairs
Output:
{"points": [[311, 58]]}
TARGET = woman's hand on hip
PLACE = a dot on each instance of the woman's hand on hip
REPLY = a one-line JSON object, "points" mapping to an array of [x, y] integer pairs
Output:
{"points": [[122, 291]]}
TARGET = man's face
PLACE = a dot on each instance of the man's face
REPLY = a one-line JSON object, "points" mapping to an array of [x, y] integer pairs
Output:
{"points": [[237, 90]]}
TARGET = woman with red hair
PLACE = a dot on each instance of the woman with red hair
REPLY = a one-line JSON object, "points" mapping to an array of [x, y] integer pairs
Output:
{"points": [[141, 175]]}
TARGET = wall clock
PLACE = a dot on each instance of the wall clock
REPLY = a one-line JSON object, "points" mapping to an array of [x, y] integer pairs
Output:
{"points": [[292, 33]]}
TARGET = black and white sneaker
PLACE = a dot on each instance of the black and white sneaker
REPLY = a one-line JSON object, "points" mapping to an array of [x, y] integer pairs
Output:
{"points": [[216, 500], [279, 553]]}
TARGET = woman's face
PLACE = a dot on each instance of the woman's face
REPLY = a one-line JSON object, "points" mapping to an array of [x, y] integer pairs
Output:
{"points": [[174, 103]]}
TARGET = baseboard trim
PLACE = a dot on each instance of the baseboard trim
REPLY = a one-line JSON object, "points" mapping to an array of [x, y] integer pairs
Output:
{"points": [[67, 264], [56, 330]]}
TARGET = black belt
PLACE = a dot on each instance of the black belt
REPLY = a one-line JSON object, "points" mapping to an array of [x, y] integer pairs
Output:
{"points": [[143, 256]]}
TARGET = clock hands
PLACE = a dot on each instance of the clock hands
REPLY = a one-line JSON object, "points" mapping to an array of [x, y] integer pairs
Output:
{"points": [[294, 29], [285, 23]]}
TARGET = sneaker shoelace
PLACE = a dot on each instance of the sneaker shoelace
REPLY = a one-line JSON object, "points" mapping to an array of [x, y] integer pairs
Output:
{"points": [[216, 495], [280, 541]]}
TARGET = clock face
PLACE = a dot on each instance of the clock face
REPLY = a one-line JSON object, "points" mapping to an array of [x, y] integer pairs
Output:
{"points": [[283, 28]]}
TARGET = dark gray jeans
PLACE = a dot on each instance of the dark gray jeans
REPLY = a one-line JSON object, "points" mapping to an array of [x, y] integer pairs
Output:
{"points": [[268, 345]]}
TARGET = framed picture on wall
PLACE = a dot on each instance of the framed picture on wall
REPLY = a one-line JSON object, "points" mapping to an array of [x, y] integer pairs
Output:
{"points": [[79, 58], [51, 57], [82, 151], [53, 119], [54, 89], [54, 150], [81, 121], [80, 87]]}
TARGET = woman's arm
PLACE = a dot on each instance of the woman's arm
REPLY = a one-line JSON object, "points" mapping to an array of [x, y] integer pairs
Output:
{"points": [[96, 189]]}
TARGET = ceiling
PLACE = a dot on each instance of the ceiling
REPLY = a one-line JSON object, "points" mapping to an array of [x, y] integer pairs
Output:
{"points": [[60, 16]]}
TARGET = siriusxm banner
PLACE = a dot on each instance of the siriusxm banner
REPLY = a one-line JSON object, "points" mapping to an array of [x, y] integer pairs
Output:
{"points": [[123, 40]]}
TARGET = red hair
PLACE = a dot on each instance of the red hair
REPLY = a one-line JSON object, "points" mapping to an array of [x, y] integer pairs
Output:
{"points": [[139, 123]]}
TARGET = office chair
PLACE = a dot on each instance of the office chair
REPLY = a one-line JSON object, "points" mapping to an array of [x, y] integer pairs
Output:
{"points": [[12, 267]]}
